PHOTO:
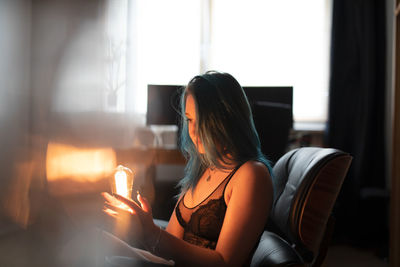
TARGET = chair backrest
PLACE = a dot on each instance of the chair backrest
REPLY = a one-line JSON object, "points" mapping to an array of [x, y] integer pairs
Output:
{"points": [[307, 182]]}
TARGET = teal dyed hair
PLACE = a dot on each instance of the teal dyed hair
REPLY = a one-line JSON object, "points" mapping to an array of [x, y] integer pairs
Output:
{"points": [[224, 124]]}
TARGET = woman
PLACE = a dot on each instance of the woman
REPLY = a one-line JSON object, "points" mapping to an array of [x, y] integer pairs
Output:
{"points": [[226, 193]]}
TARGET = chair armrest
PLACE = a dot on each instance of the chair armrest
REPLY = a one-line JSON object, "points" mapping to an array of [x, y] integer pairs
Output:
{"points": [[272, 250]]}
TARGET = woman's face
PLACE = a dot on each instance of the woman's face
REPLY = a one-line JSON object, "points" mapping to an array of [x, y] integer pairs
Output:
{"points": [[190, 112]]}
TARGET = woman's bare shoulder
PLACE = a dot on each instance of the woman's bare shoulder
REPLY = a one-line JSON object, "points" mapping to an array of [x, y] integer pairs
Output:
{"points": [[254, 169], [253, 174]]}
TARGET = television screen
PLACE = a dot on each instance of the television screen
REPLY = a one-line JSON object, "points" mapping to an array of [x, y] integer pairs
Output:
{"points": [[273, 117], [163, 104], [163, 101], [277, 96]]}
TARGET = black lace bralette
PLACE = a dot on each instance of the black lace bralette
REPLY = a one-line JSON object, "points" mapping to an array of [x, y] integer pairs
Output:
{"points": [[203, 222]]}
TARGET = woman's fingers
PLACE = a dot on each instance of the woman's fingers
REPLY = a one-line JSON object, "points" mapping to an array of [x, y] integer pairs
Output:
{"points": [[110, 212], [121, 208], [119, 201], [121, 204], [135, 207], [144, 203], [110, 199]]}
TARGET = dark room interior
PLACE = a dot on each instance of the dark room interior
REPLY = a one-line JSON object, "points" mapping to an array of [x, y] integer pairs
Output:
{"points": [[68, 119]]}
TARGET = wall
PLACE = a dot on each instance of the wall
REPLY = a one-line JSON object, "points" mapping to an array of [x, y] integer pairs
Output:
{"points": [[15, 17]]}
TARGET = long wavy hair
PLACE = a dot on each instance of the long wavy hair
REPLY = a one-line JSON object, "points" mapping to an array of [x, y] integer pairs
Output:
{"points": [[224, 124]]}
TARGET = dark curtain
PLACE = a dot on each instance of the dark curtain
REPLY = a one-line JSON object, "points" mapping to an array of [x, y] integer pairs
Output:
{"points": [[356, 122]]}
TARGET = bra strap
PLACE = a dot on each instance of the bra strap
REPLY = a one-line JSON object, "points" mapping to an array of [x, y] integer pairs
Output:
{"points": [[229, 178]]}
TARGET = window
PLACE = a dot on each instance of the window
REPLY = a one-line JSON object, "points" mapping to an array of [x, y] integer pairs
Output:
{"points": [[276, 42], [260, 42]]}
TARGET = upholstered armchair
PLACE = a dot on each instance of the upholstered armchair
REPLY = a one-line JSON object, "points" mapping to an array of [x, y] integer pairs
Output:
{"points": [[307, 182]]}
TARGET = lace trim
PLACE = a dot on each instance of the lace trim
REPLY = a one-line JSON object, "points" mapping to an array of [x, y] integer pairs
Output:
{"points": [[228, 177]]}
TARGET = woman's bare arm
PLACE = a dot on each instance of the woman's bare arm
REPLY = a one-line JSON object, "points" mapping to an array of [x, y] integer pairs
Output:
{"points": [[174, 227], [250, 201]]}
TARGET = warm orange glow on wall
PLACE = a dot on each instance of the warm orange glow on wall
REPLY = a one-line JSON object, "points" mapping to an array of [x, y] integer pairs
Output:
{"points": [[83, 164], [72, 170]]}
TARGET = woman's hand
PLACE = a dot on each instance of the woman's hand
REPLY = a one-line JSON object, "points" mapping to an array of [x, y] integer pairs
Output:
{"points": [[132, 222]]}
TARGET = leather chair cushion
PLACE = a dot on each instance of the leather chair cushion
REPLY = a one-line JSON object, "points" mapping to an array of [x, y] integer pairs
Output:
{"points": [[274, 251]]}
